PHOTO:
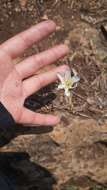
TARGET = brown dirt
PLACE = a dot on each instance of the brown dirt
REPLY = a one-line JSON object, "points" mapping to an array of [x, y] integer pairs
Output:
{"points": [[76, 150]]}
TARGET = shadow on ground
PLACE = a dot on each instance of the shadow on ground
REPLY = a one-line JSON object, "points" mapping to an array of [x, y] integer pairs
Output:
{"points": [[6, 135], [21, 173]]}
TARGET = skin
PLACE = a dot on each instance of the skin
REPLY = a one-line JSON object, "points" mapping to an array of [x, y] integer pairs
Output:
{"points": [[19, 81]]}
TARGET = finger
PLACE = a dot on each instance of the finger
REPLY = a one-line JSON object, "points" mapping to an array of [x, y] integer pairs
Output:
{"points": [[36, 82], [16, 45], [30, 117], [29, 66]]}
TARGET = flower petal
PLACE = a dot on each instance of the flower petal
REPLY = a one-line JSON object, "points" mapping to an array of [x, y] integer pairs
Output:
{"points": [[60, 86], [60, 77], [67, 75], [74, 86], [75, 79], [74, 72], [67, 92]]}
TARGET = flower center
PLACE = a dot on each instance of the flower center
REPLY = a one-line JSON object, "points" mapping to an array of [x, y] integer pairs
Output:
{"points": [[68, 83]]}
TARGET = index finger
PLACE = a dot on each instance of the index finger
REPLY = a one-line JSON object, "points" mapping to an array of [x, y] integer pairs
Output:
{"points": [[17, 44]]}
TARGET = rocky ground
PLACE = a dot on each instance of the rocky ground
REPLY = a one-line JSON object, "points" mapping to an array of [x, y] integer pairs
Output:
{"points": [[73, 155]]}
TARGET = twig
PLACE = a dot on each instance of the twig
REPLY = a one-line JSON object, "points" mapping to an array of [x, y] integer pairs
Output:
{"points": [[79, 96]]}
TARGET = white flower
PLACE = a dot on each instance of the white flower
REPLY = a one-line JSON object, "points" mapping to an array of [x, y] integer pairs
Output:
{"points": [[68, 82]]}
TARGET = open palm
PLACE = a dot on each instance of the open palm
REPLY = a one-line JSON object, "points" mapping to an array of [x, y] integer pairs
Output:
{"points": [[19, 81]]}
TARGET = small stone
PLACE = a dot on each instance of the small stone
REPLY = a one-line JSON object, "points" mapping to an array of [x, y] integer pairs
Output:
{"points": [[59, 134], [45, 17]]}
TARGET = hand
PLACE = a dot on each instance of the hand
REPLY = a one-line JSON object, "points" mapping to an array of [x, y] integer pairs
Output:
{"points": [[19, 81]]}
